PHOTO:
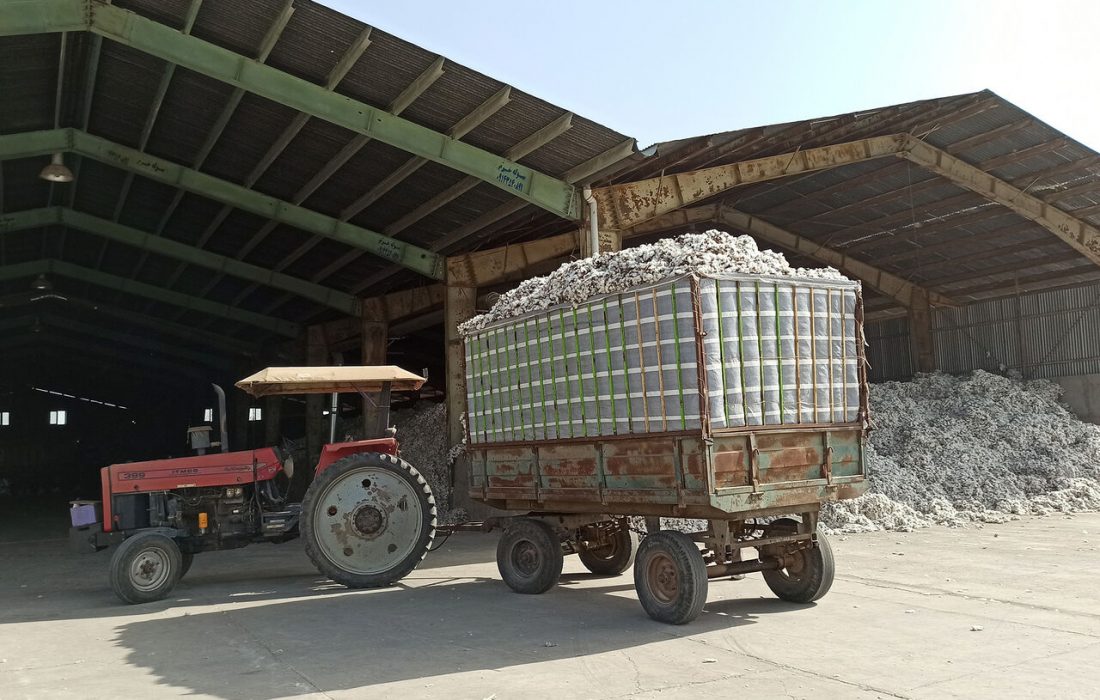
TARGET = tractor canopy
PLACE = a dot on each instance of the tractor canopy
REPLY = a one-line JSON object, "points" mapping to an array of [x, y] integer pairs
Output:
{"points": [[277, 381]]}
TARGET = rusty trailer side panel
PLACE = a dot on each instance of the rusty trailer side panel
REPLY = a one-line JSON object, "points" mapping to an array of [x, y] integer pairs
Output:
{"points": [[732, 472]]}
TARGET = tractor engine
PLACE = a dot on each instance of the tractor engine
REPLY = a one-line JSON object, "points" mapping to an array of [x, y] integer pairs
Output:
{"points": [[224, 513], [219, 501]]}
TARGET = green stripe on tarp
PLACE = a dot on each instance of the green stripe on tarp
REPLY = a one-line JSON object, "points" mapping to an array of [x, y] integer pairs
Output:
{"points": [[610, 372], [626, 372], [741, 356], [679, 365], [565, 366], [722, 349], [580, 375], [779, 352]]}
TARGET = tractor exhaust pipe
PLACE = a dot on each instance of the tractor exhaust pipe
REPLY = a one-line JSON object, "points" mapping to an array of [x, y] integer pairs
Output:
{"points": [[221, 417]]}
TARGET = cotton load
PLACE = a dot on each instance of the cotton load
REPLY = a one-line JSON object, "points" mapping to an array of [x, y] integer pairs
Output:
{"points": [[693, 351]]}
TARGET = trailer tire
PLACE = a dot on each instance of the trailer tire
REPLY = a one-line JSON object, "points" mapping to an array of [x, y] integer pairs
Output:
{"points": [[529, 556], [145, 568], [811, 576], [670, 577], [368, 520], [611, 559]]}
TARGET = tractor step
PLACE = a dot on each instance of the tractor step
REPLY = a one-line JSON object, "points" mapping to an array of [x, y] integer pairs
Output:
{"points": [[281, 522]]}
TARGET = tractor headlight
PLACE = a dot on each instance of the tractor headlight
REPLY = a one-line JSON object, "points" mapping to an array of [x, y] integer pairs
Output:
{"points": [[234, 492], [288, 467]]}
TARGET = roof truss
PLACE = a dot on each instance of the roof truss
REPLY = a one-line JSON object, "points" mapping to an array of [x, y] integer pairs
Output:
{"points": [[153, 38], [38, 143], [628, 205], [148, 291], [34, 218]]}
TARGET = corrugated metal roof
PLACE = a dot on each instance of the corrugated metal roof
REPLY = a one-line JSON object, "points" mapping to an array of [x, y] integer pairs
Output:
{"points": [[891, 214], [122, 100], [907, 220]]}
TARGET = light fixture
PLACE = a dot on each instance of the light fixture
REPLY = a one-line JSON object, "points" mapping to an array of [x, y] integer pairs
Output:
{"points": [[42, 283], [56, 170]]}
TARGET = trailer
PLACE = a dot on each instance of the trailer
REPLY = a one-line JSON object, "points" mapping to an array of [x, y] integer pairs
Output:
{"points": [[736, 400]]}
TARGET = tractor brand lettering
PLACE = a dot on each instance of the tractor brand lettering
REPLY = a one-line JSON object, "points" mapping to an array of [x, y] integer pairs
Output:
{"points": [[185, 472], [237, 468], [131, 475]]}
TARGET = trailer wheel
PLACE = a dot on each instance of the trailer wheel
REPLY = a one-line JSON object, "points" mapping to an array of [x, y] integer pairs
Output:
{"points": [[611, 559], [529, 556], [145, 568], [810, 574], [670, 577], [369, 519]]}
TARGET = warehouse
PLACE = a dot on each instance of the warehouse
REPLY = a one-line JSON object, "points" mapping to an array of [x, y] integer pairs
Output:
{"points": [[193, 191], [212, 227]]}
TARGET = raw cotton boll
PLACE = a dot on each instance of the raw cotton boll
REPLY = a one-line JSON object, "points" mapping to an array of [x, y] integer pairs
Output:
{"points": [[709, 253], [982, 448]]}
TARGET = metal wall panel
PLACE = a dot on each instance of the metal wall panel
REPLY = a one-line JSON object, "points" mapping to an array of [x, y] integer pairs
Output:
{"points": [[888, 350], [1041, 335]]}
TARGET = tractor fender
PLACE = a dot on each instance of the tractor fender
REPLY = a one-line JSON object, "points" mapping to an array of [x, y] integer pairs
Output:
{"points": [[337, 451]]}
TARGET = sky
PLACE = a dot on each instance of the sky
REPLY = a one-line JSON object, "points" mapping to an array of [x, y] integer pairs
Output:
{"points": [[666, 70]]}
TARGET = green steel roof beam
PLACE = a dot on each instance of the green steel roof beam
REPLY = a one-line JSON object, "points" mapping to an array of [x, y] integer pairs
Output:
{"points": [[34, 218], [153, 38], [148, 291], [35, 17], [38, 143]]}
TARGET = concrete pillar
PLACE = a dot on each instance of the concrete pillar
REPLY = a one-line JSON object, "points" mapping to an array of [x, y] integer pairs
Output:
{"points": [[922, 350], [374, 338], [459, 305]]}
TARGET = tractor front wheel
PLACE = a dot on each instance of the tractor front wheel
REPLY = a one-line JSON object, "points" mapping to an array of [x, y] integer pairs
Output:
{"points": [[368, 520], [145, 567]]}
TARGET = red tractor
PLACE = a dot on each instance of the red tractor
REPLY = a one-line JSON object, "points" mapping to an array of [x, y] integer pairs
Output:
{"points": [[368, 517]]}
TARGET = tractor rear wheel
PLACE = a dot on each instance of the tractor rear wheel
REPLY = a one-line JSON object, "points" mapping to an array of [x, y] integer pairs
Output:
{"points": [[368, 520], [145, 567]]}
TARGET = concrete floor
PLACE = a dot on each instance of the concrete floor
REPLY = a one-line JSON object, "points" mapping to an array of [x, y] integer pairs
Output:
{"points": [[1006, 611]]}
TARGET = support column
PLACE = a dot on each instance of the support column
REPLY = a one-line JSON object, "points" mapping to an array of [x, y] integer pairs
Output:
{"points": [[317, 354], [922, 350], [374, 338], [240, 430], [273, 420], [458, 306], [611, 240]]}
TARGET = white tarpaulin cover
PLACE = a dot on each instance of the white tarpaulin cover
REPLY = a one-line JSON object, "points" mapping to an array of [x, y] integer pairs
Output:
{"points": [[776, 350]]}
